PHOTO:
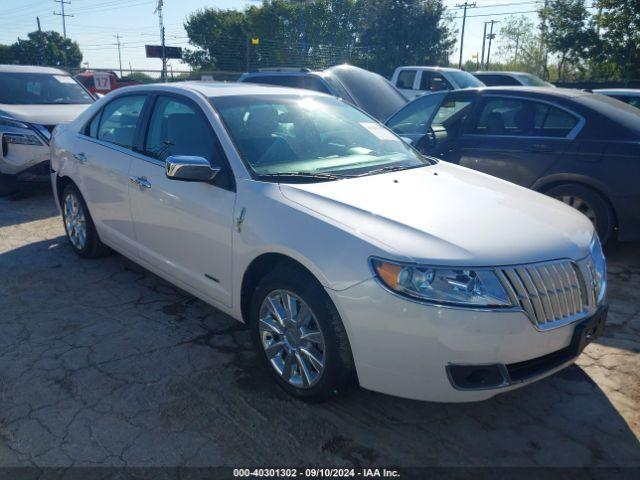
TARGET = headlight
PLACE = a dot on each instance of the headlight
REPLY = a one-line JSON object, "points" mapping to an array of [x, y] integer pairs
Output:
{"points": [[10, 122], [445, 286], [21, 139], [600, 269]]}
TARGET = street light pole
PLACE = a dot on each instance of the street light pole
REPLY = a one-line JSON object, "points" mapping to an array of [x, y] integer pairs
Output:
{"points": [[119, 54], [484, 38], [491, 35]]}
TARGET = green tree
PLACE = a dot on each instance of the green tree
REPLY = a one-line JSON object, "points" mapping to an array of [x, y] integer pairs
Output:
{"points": [[519, 46], [405, 32], [569, 33], [6, 54], [619, 24], [47, 48]]}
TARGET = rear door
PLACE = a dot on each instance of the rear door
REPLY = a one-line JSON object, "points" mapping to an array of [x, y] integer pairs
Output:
{"points": [[104, 151], [184, 229], [517, 139]]}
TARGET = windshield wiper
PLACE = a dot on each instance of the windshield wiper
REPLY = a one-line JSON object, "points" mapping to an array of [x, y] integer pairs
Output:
{"points": [[303, 175], [388, 169]]}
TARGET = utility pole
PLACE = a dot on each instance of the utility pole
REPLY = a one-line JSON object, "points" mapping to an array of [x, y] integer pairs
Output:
{"points": [[163, 75], [515, 55], [484, 38], [465, 5], [119, 55], [491, 37], [38, 21], [63, 15]]}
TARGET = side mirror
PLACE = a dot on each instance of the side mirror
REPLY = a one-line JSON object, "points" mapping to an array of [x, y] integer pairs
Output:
{"points": [[190, 169]]}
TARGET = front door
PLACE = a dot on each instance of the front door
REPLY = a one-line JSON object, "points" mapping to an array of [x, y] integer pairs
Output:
{"points": [[516, 139], [105, 152], [184, 229]]}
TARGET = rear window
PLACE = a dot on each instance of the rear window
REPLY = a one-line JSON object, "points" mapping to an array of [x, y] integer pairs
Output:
{"points": [[307, 82], [497, 80], [405, 79], [41, 89]]}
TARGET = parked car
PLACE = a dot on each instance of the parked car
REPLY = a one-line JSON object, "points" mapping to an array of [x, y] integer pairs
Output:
{"points": [[416, 81], [101, 82], [349, 255], [495, 79], [362, 88], [33, 100], [577, 147], [626, 95]]}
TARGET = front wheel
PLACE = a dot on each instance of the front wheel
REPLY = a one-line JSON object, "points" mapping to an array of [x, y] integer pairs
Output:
{"points": [[591, 204], [81, 232], [300, 336]]}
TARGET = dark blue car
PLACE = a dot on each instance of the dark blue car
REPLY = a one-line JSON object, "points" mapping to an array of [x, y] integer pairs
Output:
{"points": [[579, 147]]}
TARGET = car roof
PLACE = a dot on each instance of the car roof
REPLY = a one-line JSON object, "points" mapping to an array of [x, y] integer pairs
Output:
{"points": [[31, 69], [427, 67], [551, 91], [222, 89], [499, 72], [618, 91]]}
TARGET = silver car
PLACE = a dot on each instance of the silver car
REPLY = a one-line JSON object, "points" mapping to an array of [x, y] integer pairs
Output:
{"points": [[33, 100]]}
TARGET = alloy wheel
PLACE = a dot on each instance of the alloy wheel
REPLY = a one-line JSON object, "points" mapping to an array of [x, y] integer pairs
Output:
{"points": [[75, 221], [292, 339], [579, 204]]}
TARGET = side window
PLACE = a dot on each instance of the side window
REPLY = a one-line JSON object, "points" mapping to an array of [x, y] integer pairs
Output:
{"points": [[178, 128], [452, 113], [91, 129], [506, 116], [425, 80], [497, 80], [119, 120], [413, 118], [405, 79], [438, 83], [315, 84], [551, 121]]}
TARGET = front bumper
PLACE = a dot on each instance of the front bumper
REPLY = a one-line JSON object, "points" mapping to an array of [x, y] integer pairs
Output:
{"points": [[404, 348], [16, 159]]}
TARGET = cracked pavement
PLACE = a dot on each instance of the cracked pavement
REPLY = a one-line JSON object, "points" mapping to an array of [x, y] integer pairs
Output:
{"points": [[104, 364]]}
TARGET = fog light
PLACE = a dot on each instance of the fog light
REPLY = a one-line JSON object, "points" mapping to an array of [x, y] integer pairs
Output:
{"points": [[470, 377]]}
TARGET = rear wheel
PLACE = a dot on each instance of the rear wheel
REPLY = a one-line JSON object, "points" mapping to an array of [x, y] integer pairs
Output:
{"points": [[300, 336], [590, 203], [81, 232], [8, 185]]}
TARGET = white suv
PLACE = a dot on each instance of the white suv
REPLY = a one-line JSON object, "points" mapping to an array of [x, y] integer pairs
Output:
{"points": [[416, 81], [33, 100], [349, 255]]}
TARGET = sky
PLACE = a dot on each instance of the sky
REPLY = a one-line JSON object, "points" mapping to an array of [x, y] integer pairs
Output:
{"points": [[96, 22]]}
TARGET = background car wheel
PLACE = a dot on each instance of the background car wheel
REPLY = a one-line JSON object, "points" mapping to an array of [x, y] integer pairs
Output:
{"points": [[591, 204], [8, 185], [300, 336], [81, 232]]}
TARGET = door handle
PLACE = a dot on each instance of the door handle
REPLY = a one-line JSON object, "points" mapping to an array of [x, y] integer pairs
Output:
{"points": [[80, 157], [141, 182]]}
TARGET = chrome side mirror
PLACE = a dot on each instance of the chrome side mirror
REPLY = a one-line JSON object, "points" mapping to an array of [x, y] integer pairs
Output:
{"points": [[190, 169]]}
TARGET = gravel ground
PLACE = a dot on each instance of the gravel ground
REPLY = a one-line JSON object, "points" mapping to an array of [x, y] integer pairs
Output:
{"points": [[105, 364]]}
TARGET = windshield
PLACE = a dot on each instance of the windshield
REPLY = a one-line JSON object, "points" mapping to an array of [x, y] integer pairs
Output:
{"points": [[311, 135], [371, 92], [41, 89], [532, 81], [465, 79]]}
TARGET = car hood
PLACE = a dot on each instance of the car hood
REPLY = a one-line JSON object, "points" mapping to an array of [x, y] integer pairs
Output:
{"points": [[450, 215], [43, 114]]}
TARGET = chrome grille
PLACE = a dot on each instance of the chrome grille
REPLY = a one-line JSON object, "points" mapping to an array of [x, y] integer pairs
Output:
{"points": [[551, 293]]}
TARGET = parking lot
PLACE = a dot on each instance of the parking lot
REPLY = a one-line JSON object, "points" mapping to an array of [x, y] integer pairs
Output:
{"points": [[103, 363]]}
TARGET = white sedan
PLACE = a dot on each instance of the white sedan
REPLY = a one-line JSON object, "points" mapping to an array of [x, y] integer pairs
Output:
{"points": [[351, 257]]}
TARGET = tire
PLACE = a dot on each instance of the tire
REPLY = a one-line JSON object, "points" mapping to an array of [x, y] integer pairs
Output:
{"points": [[590, 203], [81, 232], [8, 185], [337, 374]]}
